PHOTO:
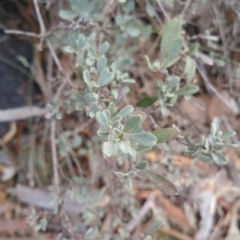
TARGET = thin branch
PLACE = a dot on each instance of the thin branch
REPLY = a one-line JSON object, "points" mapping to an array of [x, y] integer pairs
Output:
{"points": [[56, 179], [21, 113], [206, 80], [187, 4], [39, 16], [163, 10]]}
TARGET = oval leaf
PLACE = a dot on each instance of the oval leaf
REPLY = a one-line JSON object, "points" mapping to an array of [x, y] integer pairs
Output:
{"points": [[165, 134], [187, 90], [126, 110], [146, 102], [132, 122], [146, 139]]}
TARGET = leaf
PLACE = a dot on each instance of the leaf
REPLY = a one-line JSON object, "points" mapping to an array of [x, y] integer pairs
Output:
{"points": [[132, 122], [67, 14], [165, 134], [190, 69], [173, 81], [162, 183], [102, 118], [105, 77], [146, 102], [68, 49], [214, 126], [128, 183], [107, 148], [150, 9], [101, 63], [126, 111], [132, 174], [171, 55], [104, 48], [154, 226], [146, 139], [87, 78], [187, 90], [219, 158], [141, 165], [228, 135], [171, 43]]}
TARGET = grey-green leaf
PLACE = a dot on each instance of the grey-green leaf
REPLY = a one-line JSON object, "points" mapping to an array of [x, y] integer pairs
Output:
{"points": [[190, 69], [219, 158], [187, 90], [101, 63], [67, 14], [154, 226], [165, 134], [146, 139], [104, 48], [105, 77], [214, 126], [173, 81], [126, 110], [228, 135], [69, 49], [132, 122], [102, 118]]}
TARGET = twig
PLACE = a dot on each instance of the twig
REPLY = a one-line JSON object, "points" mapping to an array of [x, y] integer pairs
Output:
{"points": [[144, 210], [39, 16], [206, 80], [21, 113], [187, 4], [54, 157], [163, 10], [58, 63]]}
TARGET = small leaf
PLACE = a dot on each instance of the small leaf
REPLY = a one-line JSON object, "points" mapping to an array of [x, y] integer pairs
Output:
{"points": [[150, 9], [77, 141], [69, 49], [87, 78], [187, 90], [214, 126], [146, 102], [67, 14], [128, 183], [165, 134], [154, 227], [132, 174], [219, 158], [101, 63], [102, 119], [173, 81], [126, 111], [141, 165], [133, 32], [146, 139], [105, 77], [132, 122], [104, 48], [107, 148], [171, 55], [120, 174], [190, 69]]}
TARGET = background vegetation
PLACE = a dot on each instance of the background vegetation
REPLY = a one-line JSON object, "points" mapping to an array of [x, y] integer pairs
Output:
{"points": [[129, 127]]}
